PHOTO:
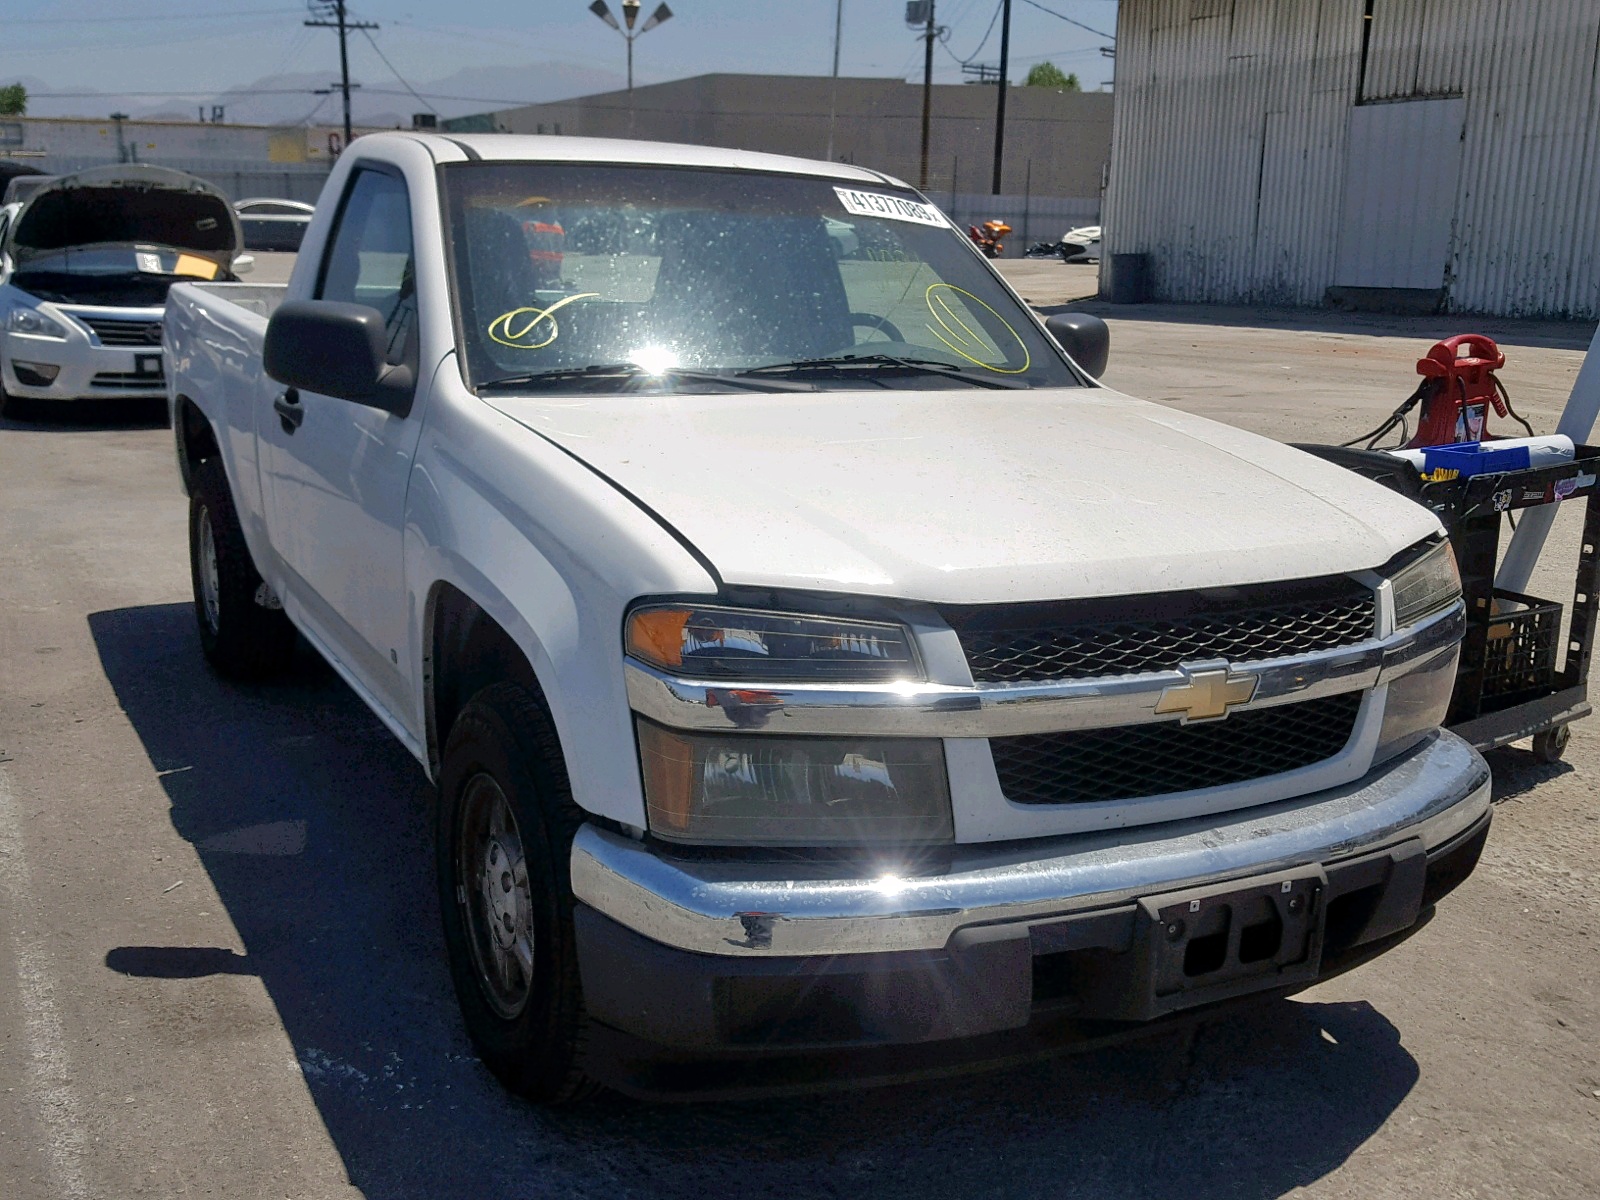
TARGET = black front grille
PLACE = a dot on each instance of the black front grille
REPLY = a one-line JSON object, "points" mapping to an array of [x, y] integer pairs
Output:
{"points": [[114, 332], [1132, 635], [1131, 761], [130, 381]]}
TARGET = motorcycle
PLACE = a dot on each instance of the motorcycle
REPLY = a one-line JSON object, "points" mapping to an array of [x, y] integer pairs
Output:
{"points": [[987, 237]]}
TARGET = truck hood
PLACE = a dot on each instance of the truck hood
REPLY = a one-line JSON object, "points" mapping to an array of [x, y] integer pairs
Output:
{"points": [[974, 497], [159, 218]]}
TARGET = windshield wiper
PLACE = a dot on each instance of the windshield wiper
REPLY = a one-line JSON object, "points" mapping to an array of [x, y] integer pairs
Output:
{"points": [[878, 362], [632, 371]]}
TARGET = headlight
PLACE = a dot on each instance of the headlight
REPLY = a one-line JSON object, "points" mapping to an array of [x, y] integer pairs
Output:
{"points": [[755, 789], [31, 320], [1428, 583], [732, 643], [1417, 704]]}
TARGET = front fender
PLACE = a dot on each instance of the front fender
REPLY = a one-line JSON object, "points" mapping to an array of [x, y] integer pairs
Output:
{"points": [[554, 554]]}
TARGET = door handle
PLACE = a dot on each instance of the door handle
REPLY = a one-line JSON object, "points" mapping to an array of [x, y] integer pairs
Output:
{"points": [[290, 414]]}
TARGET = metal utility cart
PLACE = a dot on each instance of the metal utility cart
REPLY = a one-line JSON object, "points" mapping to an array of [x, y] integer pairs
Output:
{"points": [[1507, 685]]}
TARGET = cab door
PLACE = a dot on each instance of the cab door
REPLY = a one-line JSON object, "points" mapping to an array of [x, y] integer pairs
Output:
{"points": [[337, 471]]}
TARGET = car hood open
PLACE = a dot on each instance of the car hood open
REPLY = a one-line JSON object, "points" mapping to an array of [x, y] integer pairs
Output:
{"points": [[186, 223], [977, 497]]}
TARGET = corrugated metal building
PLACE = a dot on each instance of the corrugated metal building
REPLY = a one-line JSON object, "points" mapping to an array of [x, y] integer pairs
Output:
{"points": [[1415, 153]]}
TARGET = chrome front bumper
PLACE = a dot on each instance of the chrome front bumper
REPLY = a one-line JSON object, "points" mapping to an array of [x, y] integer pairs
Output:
{"points": [[719, 906]]}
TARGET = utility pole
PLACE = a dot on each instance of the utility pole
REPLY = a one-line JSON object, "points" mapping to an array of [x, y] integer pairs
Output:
{"points": [[927, 95], [833, 94], [341, 22], [1000, 104]]}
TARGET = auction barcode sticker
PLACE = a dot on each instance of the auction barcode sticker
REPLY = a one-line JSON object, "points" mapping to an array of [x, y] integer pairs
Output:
{"points": [[896, 208]]}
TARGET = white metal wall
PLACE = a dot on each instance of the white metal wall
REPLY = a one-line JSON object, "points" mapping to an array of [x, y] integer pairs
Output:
{"points": [[1394, 231], [1228, 156]]}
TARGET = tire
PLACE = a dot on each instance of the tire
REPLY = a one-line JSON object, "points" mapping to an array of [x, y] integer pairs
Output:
{"points": [[1551, 744], [519, 992], [15, 408], [240, 638]]}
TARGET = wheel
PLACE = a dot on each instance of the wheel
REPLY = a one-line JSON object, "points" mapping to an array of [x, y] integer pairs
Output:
{"points": [[1551, 744], [15, 408], [240, 637], [882, 324], [505, 829]]}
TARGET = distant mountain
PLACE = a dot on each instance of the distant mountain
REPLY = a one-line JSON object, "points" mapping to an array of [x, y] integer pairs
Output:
{"points": [[289, 99]]}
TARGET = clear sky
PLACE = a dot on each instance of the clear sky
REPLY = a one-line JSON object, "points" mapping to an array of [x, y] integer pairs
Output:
{"points": [[206, 46]]}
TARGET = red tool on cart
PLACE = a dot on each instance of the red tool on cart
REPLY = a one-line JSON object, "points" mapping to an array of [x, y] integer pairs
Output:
{"points": [[1517, 675], [1458, 388]]}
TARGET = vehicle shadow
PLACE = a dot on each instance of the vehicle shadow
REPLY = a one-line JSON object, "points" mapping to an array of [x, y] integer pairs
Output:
{"points": [[314, 826], [1517, 772], [94, 416]]}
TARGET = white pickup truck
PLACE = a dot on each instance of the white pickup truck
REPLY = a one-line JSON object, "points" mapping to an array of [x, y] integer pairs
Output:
{"points": [[824, 677]]}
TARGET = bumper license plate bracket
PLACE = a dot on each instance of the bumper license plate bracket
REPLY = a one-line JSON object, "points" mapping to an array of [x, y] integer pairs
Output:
{"points": [[1213, 943]]}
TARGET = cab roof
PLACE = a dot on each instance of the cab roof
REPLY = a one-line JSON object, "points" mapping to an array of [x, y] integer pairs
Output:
{"points": [[522, 147]]}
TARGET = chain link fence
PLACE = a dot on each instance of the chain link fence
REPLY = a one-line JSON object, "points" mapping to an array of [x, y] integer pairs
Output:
{"points": [[239, 180]]}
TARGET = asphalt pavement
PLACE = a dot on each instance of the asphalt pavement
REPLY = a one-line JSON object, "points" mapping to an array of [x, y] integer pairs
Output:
{"points": [[221, 972]]}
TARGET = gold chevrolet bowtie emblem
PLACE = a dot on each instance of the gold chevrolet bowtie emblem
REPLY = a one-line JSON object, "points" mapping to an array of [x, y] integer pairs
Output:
{"points": [[1208, 694]]}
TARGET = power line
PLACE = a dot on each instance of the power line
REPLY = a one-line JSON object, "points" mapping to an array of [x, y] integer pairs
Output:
{"points": [[1069, 20], [397, 74], [978, 49], [192, 16], [306, 120], [163, 95]]}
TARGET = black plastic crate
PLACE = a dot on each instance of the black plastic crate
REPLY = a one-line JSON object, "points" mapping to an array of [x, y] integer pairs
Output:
{"points": [[1520, 656]]}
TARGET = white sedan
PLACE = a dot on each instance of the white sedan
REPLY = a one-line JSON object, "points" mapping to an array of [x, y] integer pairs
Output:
{"points": [[271, 224], [85, 264]]}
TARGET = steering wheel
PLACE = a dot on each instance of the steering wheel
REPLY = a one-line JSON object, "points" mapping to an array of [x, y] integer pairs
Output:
{"points": [[881, 324]]}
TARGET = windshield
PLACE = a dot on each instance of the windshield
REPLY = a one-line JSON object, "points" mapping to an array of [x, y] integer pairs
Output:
{"points": [[575, 275]]}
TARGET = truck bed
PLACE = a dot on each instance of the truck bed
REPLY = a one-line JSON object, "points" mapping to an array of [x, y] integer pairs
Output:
{"points": [[262, 299]]}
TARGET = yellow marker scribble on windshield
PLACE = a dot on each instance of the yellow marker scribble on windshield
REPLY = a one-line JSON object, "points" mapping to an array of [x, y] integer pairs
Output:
{"points": [[500, 329], [956, 333]]}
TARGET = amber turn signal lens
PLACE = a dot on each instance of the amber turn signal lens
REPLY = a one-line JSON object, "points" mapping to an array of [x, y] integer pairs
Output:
{"points": [[668, 762], [655, 635]]}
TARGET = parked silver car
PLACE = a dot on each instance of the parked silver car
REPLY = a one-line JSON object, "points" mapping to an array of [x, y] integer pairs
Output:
{"points": [[271, 224], [85, 264]]}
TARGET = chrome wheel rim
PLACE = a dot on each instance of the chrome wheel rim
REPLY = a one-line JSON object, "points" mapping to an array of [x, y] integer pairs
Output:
{"points": [[210, 581], [496, 901]]}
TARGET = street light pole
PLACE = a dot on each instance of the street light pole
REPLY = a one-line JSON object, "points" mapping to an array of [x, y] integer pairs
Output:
{"points": [[1000, 104], [630, 14]]}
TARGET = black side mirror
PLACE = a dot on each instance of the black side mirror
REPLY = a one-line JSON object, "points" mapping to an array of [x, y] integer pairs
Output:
{"points": [[338, 350], [1086, 339]]}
